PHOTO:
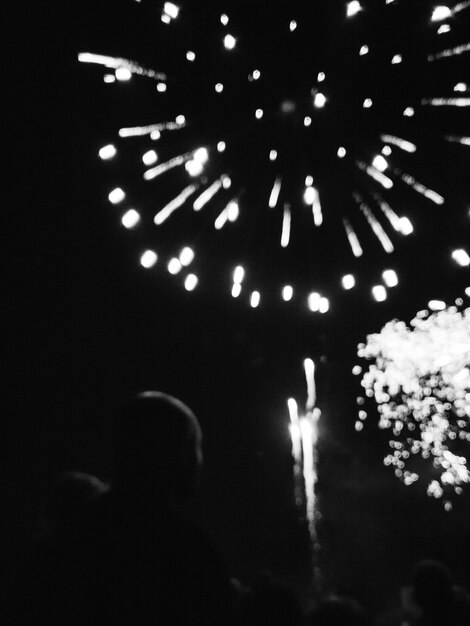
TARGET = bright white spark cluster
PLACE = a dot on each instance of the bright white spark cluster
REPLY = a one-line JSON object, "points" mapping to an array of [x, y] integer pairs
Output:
{"points": [[420, 380], [225, 149]]}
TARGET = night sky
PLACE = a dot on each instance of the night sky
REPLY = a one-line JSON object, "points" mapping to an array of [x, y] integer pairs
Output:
{"points": [[85, 324]]}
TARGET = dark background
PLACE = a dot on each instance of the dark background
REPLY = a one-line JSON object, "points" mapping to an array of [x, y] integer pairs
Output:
{"points": [[84, 325]]}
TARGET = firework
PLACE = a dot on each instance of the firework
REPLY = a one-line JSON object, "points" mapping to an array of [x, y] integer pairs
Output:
{"points": [[304, 437], [291, 141], [420, 380]]}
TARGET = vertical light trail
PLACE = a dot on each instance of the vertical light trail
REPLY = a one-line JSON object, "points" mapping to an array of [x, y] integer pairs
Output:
{"points": [[273, 198], [304, 437], [352, 238], [286, 222]]}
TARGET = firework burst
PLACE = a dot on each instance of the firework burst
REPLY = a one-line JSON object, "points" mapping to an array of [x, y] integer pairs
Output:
{"points": [[295, 143]]}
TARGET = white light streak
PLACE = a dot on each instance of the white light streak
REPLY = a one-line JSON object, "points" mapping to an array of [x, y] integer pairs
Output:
{"points": [[309, 369], [191, 282], [107, 152], [130, 218], [255, 299], [148, 259], [390, 278], [207, 195], [238, 274], [158, 170], [352, 238], [229, 214], [174, 266], [377, 228], [461, 257], [450, 52], [377, 175], [116, 196], [287, 293], [274, 196], [117, 63], [230, 42], [353, 8], [403, 144], [465, 141], [151, 129], [186, 256], [422, 189], [379, 292], [348, 281], [150, 157], [286, 224], [174, 204], [312, 197], [446, 102]]}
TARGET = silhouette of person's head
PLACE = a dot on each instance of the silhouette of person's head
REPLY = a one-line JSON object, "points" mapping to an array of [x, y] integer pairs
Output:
{"points": [[338, 611], [432, 586], [157, 448], [68, 497]]}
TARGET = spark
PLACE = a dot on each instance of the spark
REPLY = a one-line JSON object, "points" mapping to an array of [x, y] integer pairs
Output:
{"points": [[174, 204], [465, 141], [118, 63], [447, 102], [379, 292], [286, 223], [273, 198], [287, 293], [352, 238], [186, 256], [138, 131], [191, 282], [390, 278], [174, 266], [461, 257], [238, 274], [255, 299], [130, 218], [123, 74], [420, 188], [207, 195], [107, 152], [403, 144], [314, 300], [150, 157], [348, 281], [148, 259], [353, 8], [230, 42], [319, 100], [450, 52], [167, 166], [116, 196]]}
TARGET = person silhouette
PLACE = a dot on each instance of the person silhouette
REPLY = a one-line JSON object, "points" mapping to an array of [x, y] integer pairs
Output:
{"points": [[133, 556]]}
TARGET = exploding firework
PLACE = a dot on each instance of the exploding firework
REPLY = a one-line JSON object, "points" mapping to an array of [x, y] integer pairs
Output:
{"points": [[276, 150], [420, 380]]}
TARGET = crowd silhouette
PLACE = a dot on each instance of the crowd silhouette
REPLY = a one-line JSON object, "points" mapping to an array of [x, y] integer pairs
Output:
{"points": [[127, 553]]}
